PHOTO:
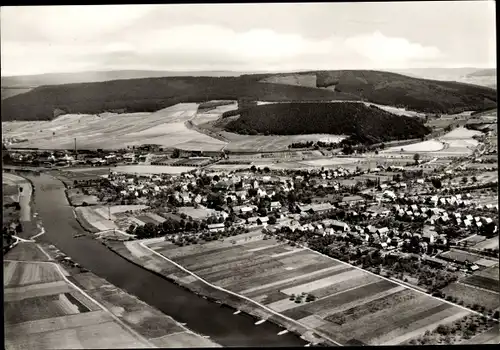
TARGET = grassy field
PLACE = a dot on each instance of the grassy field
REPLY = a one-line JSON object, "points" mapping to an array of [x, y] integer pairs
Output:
{"points": [[108, 130], [458, 142], [257, 143], [151, 169], [487, 278], [491, 243], [76, 197], [101, 218], [470, 295], [461, 256], [366, 306], [21, 273], [483, 282], [491, 336], [26, 251], [424, 146], [95, 219], [199, 213]]}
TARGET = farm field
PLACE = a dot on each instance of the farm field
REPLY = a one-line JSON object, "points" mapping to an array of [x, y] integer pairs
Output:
{"points": [[57, 315], [458, 142], [110, 130], [94, 218], [369, 309], [26, 251], [102, 218], [213, 114], [198, 213], [491, 336], [487, 278], [483, 282], [471, 295], [17, 273], [76, 197], [50, 313], [491, 243], [424, 146], [460, 255], [151, 169], [257, 143]]}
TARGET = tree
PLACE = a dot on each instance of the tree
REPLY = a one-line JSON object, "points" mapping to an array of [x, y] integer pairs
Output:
{"points": [[416, 157], [436, 183], [130, 229], [149, 229], [443, 329], [310, 297], [464, 179], [272, 220], [176, 153]]}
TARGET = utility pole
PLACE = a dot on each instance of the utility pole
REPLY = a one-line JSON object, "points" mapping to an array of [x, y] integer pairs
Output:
{"points": [[76, 154]]}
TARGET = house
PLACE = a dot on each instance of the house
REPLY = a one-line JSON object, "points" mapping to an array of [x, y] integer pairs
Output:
{"points": [[262, 220], [222, 186], [266, 178], [436, 262], [353, 199], [339, 225], [389, 194], [275, 205], [383, 231], [261, 192], [321, 207], [428, 234], [216, 227]]}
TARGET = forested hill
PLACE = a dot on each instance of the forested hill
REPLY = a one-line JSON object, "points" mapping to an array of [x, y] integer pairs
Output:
{"points": [[151, 94], [363, 123]]}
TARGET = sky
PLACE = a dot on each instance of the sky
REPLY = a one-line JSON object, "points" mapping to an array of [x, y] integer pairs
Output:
{"points": [[248, 37]]}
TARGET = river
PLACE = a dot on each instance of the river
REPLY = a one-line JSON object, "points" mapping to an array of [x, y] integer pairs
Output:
{"points": [[200, 315]]}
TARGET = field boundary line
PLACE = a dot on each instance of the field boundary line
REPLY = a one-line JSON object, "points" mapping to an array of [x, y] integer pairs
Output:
{"points": [[236, 294], [133, 332], [42, 231], [44, 252], [480, 288], [401, 284]]}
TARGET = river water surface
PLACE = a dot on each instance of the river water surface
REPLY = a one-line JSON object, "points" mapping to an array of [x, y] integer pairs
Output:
{"points": [[200, 315]]}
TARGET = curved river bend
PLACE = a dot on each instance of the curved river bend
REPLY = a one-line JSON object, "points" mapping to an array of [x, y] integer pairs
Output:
{"points": [[200, 315]]}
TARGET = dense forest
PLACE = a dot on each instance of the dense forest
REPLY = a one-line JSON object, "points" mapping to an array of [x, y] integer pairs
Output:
{"points": [[147, 95], [151, 94], [399, 90], [364, 124]]}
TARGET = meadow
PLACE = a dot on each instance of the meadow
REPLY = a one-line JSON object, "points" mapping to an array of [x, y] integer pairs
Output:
{"points": [[458, 142], [112, 131]]}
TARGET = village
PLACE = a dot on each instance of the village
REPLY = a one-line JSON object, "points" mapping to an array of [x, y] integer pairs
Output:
{"points": [[435, 217]]}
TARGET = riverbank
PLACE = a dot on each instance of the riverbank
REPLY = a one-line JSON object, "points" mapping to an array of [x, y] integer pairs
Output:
{"points": [[134, 252], [96, 296], [199, 314]]}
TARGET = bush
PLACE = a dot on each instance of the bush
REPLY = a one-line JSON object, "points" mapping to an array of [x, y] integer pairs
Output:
{"points": [[442, 329]]}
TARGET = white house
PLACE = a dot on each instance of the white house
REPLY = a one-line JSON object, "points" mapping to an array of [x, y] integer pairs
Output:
{"points": [[216, 227]]}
